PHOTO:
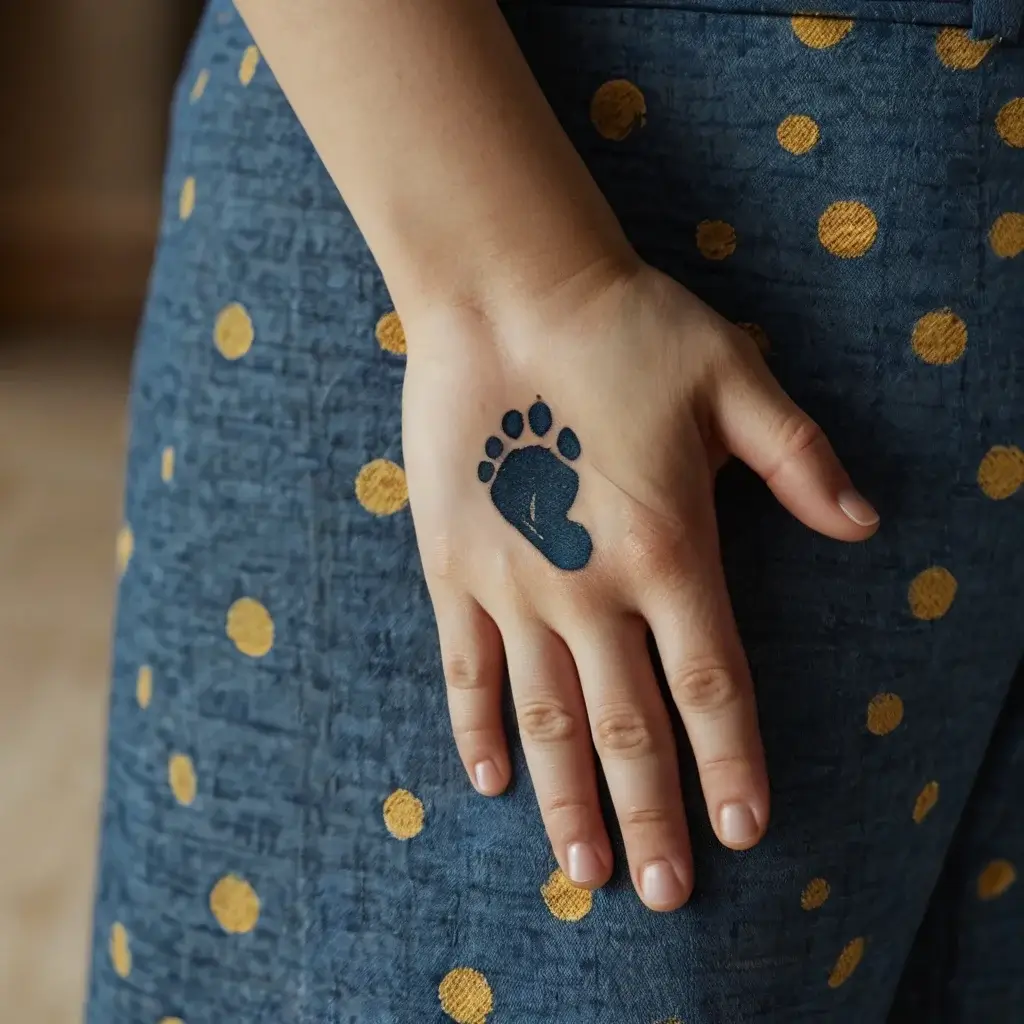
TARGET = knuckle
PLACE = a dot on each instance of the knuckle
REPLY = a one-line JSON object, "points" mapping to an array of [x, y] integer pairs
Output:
{"points": [[476, 736], [623, 732], [703, 687], [463, 672], [735, 765], [502, 570], [649, 533], [566, 807], [546, 722], [637, 817], [440, 558], [504, 579], [797, 433], [657, 547]]}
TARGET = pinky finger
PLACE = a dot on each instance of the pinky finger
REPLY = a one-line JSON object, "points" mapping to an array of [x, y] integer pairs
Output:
{"points": [[473, 659]]}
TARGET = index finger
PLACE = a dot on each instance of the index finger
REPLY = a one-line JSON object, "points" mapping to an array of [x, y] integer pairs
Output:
{"points": [[689, 612]]}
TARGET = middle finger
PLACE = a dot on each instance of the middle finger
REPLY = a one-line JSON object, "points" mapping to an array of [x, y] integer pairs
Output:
{"points": [[552, 723]]}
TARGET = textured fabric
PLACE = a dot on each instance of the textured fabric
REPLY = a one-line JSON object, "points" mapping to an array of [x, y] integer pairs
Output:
{"points": [[997, 18], [926, 12], [288, 834]]}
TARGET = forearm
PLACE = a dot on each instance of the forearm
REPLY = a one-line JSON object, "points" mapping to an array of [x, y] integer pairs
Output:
{"points": [[430, 123]]}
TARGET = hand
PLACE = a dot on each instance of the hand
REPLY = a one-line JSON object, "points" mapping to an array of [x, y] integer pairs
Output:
{"points": [[561, 462]]}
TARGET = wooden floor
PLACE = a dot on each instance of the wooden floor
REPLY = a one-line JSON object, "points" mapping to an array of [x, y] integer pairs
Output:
{"points": [[61, 442]]}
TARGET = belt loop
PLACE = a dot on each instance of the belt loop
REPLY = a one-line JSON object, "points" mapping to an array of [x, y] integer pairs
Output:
{"points": [[1000, 19]]}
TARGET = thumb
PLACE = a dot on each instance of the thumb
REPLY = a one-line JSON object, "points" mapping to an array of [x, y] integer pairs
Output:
{"points": [[760, 424]]}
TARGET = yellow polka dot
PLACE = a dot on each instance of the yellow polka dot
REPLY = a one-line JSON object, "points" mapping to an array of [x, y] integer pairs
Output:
{"points": [[1001, 471], [170, 1020], [820, 33], [716, 239], [466, 996], [939, 337], [250, 626], [120, 950], [235, 905], [1006, 236], [798, 134], [381, 487], [617, 108], [187, 199], [233, 332], [390, 334], [815, 893], [926, 800], [124, 547], [566, 901], [931, 593], [885, 712], [144, 686], [199, 86], [181, 774], [997, 877], [250, 61], [167, 465], [847, 229], [957, 50], [847, 962], [403, 814], [1010, 123]]}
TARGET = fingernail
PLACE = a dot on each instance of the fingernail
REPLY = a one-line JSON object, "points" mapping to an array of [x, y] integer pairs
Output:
{"points": [[856, 507], [737, 824], [487, 778], [661, 885], [584, 864]]}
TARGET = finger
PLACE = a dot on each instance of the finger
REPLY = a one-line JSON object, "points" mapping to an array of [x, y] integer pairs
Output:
{"points": [[473, 670], [553, 727], [633, 736], [760, 424], [689, 612]]}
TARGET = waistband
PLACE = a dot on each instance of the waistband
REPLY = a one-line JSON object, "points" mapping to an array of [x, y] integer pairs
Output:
{"points": [[997, 18], [984, 19]]}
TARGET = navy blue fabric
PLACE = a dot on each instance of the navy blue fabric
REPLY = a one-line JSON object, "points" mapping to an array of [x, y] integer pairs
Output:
{"points": [[278, 721], [916, 12], [997, 18], [987, 19]]}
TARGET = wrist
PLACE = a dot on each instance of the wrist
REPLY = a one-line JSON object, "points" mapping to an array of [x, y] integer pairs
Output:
{"points": [[496, 242], [507, 291], [534, 329]]}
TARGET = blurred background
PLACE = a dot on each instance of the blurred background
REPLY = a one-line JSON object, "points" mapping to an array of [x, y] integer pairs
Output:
{"points": [[84, 92]]}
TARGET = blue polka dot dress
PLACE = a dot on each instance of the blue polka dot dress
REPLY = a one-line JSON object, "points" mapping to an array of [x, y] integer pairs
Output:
{"points": [[288, 834]]}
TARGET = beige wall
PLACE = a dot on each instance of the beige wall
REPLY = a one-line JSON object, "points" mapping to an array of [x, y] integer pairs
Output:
{"points": [[83, 97]]}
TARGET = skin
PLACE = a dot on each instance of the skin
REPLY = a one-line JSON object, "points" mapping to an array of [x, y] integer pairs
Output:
{"points": [[513, 278]]}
